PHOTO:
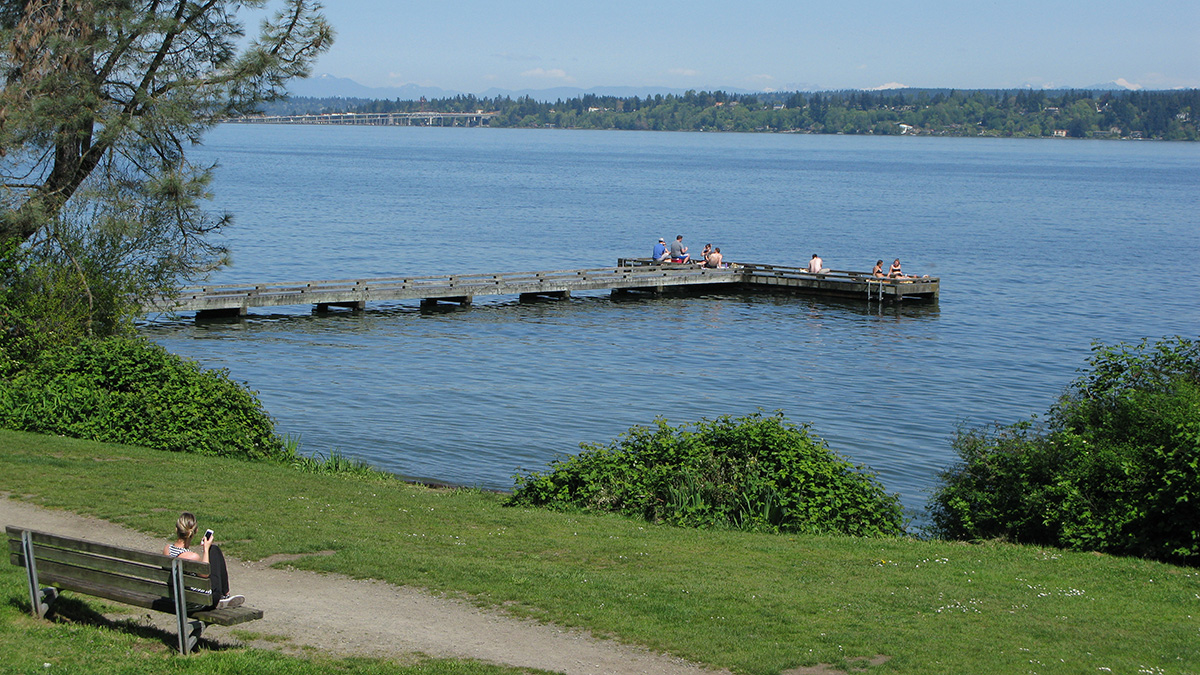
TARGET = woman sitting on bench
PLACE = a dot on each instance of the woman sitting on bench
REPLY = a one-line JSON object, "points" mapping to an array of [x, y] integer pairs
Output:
{"points": [[185, 529]]}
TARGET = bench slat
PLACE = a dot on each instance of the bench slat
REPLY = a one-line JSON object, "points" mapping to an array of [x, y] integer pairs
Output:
{"points": [[154, 573], [228, 617], [82, 545], [147, 600], [72, 578]]}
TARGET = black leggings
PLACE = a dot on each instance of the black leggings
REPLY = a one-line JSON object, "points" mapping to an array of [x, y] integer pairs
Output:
{"points": [[218, 574]]}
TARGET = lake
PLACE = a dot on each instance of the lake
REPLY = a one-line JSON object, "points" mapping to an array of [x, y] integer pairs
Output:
{"points": [[1042, 247]]}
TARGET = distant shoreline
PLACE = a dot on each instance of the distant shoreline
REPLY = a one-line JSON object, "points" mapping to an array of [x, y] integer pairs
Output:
{"points": [[803, 132], [1081, 114]]}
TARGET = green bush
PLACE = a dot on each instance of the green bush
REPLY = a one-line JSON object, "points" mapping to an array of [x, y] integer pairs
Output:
{"points": [[132, 391], [1115, 467], [756, 473]]}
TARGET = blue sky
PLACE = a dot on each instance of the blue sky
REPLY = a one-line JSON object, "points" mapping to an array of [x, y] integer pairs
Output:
{"points": [[471, 45]]}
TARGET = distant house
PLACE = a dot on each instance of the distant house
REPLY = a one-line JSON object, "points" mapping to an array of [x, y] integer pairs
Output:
{"points": [[905, 128], [1060, 133]]}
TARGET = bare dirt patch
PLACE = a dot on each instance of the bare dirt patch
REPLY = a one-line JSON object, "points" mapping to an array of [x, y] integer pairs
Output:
{"points": [[861, 665]]}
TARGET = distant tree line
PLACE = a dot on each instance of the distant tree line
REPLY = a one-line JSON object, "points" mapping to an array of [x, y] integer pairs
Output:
{"points": [[1164, 115]]}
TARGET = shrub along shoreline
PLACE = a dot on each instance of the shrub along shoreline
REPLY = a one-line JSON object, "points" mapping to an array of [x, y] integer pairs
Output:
{"points": [[755, 603]]}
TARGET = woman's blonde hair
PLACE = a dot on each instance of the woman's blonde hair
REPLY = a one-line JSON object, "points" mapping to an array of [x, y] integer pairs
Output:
{"points": [[185, 527]]}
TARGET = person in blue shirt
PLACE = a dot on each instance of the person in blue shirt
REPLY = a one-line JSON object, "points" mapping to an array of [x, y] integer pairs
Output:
{"points": [[661, 254]]}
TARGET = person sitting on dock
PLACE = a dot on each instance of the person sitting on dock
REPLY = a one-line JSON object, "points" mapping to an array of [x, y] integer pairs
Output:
{"points": [[679, 252], [713, 260], [895, 272], [877, 272], [817, 266], [661, 253]]}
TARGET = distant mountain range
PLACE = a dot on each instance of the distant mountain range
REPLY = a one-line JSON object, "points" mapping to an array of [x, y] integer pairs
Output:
{"points": [[330, 86]]}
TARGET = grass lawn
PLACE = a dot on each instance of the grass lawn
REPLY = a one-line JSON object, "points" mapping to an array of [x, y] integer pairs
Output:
{"points": [[87, 644], [753, 603]]}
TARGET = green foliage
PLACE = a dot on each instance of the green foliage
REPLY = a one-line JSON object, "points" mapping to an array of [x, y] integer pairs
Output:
{"points": [[74, 283], [134, 392], [1168, 115], [1116, 467], [100, 207], [113, 93], [756, 473], [333, 464]]}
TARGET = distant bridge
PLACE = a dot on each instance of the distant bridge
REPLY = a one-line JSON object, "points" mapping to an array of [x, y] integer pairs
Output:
{"points": [[403, 119], [628, 276]]}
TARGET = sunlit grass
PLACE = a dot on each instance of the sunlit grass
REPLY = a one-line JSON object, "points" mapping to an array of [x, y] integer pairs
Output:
{"points": [[751, 602], [83, 642]]}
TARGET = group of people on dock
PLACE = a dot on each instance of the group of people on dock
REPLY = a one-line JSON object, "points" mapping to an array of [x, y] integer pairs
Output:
{"points": [[676, 252], [893, 273], [817, 266]]}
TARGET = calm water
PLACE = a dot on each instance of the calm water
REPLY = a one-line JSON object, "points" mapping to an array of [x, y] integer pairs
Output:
{"points": [[1042, 247]]}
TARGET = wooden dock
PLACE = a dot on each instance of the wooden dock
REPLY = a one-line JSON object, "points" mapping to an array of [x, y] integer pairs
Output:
{"points": [[629, 275]]}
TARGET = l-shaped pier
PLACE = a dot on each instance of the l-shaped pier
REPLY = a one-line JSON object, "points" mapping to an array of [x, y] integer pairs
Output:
{"points": [[629, 275]]}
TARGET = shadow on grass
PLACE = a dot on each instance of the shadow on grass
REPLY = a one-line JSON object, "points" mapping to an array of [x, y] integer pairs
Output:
{"points": [[76, 611]]}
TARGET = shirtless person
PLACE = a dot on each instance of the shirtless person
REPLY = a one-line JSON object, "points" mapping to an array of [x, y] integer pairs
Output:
{"points": [[713, 261], [895, 272], [878, 271], [816, 265]]}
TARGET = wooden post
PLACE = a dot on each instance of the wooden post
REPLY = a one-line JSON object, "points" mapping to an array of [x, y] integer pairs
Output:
{"points": [[357, 306], [459, 299], [550, 295], [228, 313]]}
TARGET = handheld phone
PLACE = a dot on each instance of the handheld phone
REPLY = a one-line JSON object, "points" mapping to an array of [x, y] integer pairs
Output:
{"points": [[208, 534]]}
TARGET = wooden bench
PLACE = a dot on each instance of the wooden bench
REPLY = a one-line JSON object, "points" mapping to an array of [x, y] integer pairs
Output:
{"points": [[129, 576]]}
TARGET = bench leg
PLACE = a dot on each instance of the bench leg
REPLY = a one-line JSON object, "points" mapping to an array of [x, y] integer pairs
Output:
{"points": [[189, 630], [40, 599], [195, 629], [182, 629], [48, 595]]}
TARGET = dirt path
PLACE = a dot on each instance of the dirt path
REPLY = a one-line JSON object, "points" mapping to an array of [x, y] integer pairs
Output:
{"points": [[367, 618]]}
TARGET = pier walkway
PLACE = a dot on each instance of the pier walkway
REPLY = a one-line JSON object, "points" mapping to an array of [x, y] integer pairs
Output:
{"points": [[629, 275]]}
